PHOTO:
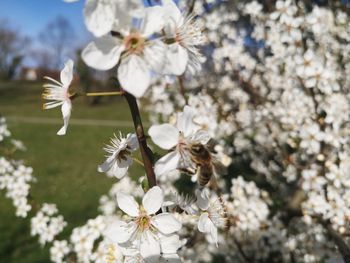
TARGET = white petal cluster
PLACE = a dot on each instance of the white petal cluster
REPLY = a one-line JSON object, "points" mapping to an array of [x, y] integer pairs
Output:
{"points": [[58, 251], [47, 224], [83, 238], [4, 132], [15, 180], [249, 206]]}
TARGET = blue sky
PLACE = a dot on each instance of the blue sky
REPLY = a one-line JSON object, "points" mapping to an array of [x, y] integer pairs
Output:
{"points": [[31, 16]]}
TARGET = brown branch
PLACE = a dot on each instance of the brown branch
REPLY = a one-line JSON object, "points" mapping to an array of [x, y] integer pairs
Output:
{"points": [[146, 153], [254, 95], [182, 88], [340, 243], [343, 247], [241, 251]]}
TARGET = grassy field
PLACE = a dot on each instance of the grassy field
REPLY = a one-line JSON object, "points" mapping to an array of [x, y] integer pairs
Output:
{"points": [[64, 166]]}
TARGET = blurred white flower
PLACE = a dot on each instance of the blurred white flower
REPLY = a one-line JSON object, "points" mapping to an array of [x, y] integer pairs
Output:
{"points": [[103, 16], [284, 11], [58, 94], [47, 224], [186, 34], [4, 132], [212, 215], [119, 155], [59, 250]]}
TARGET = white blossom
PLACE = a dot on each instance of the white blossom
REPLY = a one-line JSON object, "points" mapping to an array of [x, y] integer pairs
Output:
{"points": [[58, 94], [119, 155], [145, 228]]}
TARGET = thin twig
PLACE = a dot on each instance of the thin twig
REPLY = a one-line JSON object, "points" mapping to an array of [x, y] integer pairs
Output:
{"points": [[110, 93]]}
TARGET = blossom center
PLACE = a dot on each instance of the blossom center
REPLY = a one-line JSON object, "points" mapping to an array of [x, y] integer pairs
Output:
{"points": [[181, 144], [123, 154], [143, 221], [134, 43]]}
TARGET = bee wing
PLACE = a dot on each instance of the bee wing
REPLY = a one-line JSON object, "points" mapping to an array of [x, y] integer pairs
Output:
{"points": [[219, 168], [213, 183], [186, 165]]}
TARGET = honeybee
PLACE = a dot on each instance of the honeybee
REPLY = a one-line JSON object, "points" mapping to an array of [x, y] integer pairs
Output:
{"points": [[203, 163]]}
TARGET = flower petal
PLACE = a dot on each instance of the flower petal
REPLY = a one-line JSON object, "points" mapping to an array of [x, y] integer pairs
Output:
{"points": [[201, 136], [171, 258], [153, 200], [165, 135], [149, 246], [66, 112], [67, 73], [177, 59], [123, 24], [214, 233], [173, 13], [166, 223], [204, 223], [103, 53], [106, 166], [119, 169], [132, 141], [185, 121], [134, 75], [154, 54], [167, 163], [170, 243], [120, 232], [128, 204], [153, 21], [99, 16], [202, 199]]}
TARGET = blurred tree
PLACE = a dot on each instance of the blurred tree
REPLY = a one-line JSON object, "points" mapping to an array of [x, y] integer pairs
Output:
{"points": [[42, 57], [85, 73], [57, 37], [13, 47]]}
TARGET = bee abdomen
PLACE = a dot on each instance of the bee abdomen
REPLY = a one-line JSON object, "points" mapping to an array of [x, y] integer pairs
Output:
{"points": [[204, 175]]}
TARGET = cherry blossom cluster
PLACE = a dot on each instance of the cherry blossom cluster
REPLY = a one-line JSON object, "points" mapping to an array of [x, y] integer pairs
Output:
{"points": [[15, 178], [47, 224], [274, 94]]}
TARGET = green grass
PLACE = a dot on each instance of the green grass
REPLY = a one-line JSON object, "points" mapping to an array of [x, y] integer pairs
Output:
{"points": [[64, 166]]}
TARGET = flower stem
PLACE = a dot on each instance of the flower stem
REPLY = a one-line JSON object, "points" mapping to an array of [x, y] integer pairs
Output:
{"points": [[146, 153], [111, 93]]}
